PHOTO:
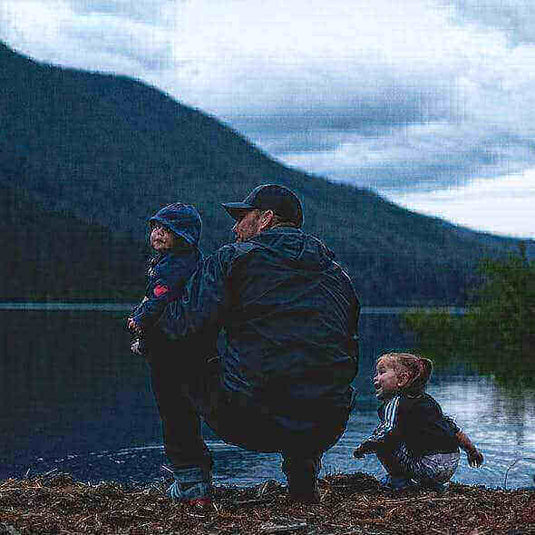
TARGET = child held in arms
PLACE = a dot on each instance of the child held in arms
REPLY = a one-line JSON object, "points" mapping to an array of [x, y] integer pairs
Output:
{"points": [[415, 442], [174, 236], [175, 231]]}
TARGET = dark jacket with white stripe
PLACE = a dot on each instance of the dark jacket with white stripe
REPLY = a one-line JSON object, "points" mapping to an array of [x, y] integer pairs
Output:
{"points": [[417, 421]]}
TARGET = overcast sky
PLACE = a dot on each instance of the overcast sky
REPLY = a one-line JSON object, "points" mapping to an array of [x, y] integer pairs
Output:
{"points": [[431, 103]]}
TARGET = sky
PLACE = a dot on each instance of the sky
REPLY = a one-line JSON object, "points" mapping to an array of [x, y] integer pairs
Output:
{"points": [[429, 103]]}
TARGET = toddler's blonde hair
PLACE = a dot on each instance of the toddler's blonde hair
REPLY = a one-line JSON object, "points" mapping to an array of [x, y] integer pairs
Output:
{"points": [[418, 368]]}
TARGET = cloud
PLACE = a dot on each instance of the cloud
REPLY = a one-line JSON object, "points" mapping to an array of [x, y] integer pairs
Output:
{"points": [[315, 64], [422, 156], [498, 205], [34, 25], [153, 12], [335, 61], [381, 94], [134, 43], [515, 18], [98, 35]]}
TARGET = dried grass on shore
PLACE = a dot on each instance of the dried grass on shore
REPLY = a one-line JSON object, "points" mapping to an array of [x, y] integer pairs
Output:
{"points": [[351, 504]]}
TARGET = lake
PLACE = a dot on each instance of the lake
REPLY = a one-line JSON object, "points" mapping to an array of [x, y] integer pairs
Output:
{"points": [[75, 399]]}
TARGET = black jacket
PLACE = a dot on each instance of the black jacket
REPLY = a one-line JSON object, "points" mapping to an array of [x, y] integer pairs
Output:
{"points": [[417, 421], [289, 314]]}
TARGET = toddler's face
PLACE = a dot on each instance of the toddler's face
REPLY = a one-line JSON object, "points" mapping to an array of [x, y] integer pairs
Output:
{"points": [[387, 380], [161, 239]]}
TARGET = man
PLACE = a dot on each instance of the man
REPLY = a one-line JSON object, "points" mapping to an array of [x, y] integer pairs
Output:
{"points": [[288, 317]]}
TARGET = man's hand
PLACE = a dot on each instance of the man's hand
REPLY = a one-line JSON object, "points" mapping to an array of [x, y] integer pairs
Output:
{"points": [[475, 458]]}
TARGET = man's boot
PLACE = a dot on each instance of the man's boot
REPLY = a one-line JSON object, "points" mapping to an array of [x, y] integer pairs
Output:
{"points": [[302, 476]]}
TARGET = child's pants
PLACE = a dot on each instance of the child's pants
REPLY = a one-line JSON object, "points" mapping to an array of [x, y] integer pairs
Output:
{"points": [[431, 468]]}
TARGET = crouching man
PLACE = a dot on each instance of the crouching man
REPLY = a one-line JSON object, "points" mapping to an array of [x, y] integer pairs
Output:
{"points": [[288, 315]]}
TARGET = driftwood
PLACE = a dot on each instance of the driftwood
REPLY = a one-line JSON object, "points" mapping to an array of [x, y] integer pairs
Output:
{"points": [[55, 503]]}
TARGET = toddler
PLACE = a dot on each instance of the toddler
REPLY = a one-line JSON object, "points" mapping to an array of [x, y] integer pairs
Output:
{"points": [[414, 441], [174, 236]]}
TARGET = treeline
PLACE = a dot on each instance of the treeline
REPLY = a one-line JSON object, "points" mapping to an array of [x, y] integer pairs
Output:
{"points": [[51, 256], [496, 336]]}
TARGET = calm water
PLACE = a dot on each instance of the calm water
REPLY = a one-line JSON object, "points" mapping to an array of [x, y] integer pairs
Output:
{"points": [[75, 399]]}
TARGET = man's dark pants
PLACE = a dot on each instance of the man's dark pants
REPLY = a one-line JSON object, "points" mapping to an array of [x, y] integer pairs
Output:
{"points": [[187, 392]]}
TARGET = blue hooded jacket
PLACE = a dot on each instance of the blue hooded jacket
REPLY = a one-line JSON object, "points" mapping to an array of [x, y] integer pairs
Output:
{"points": [[181, 219], [289, 314], [168, 272]]}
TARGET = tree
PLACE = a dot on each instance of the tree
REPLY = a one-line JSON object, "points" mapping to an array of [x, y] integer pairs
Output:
{"points": [[504, 311], [496, 335]]}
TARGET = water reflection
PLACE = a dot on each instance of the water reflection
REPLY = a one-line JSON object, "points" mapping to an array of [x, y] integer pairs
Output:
{"points": [[74, 398]]}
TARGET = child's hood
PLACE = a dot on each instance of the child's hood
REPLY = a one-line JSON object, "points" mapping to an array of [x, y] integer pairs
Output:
{"points": [[181, 219]]}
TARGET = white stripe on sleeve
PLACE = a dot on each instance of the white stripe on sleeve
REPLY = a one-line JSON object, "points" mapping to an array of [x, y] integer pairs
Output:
{"points": [[391, 412]]}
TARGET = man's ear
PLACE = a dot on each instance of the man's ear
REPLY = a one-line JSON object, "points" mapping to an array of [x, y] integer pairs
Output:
{"points": [[266, 219]]}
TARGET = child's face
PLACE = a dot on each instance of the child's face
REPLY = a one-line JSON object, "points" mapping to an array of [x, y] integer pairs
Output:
{"points": [[161, 239], [388, 380]]}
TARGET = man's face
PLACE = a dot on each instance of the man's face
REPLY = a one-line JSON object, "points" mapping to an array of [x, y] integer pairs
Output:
{"points": [[249, 225]]}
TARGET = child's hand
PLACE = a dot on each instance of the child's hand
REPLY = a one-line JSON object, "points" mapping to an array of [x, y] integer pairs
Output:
{"points": [[135, 347], [359, 452], [133, 327], [475, 458]]}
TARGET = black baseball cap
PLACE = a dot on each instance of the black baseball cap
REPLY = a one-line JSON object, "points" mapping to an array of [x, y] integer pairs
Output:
{"points": [[282, 200]]}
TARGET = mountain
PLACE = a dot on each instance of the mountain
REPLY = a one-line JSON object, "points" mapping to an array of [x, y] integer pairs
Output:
{"points": [[102, 153]]}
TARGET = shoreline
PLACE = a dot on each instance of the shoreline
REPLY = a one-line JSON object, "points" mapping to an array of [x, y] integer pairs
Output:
{"points": [[350, 504], [97, 306]]}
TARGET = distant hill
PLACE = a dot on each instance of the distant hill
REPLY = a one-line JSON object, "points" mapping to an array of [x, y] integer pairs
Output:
{"points": [[50, 255], [98, 154]]}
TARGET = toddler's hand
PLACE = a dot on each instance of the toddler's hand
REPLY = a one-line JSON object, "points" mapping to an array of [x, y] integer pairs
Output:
{"points": [[475, 458], [359, 452], [135, 347], [133, 327]]}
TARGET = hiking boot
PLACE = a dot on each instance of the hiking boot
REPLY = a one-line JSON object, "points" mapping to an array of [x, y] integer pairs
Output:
{"points": [[302, 476], [310, 497], [192, 486]]}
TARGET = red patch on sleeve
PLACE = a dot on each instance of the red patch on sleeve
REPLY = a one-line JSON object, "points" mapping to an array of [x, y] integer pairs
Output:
{"points": [[160, 290]]}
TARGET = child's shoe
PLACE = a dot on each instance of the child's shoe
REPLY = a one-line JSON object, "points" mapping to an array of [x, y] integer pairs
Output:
{"points": [[396, 483], [434, 485], [192, 486]]}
